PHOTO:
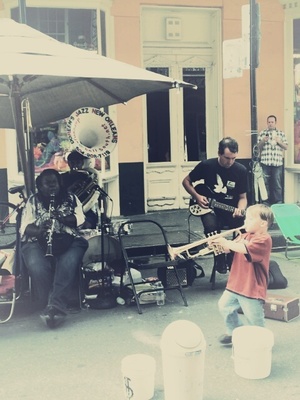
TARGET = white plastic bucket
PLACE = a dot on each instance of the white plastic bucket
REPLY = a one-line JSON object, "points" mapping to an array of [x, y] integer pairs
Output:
{"points": [[138, 372], [252, 351]]}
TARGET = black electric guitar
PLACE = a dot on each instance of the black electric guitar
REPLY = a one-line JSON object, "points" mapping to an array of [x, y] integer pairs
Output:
{"points": [[197, 210]]}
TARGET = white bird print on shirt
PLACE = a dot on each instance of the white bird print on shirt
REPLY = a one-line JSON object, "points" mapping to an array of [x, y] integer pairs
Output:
{"points": [[220, 188]]}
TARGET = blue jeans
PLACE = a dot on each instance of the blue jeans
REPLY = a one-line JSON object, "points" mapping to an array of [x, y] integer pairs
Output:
{"points": [[229, 304], [273, 182], [53, 278]]}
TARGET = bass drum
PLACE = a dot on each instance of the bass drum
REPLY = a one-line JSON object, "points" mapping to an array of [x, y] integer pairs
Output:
{"points": [[111, 250]]}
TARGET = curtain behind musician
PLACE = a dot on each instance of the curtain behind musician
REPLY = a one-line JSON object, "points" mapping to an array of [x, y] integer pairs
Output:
{"points": [[83, 182], [53, 275]]}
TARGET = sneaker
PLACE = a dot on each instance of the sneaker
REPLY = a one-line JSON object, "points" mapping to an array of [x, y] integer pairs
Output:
{"points": [[225, 339], [52, 317]]}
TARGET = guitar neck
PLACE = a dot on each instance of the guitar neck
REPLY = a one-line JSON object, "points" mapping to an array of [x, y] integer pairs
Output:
{"points": [[225, 207], [222, 206], [196, 209]]}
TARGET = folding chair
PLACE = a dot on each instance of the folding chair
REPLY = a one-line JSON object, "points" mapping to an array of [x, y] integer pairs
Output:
{"points": [[7, 288], [142, 256], [287, 217]]}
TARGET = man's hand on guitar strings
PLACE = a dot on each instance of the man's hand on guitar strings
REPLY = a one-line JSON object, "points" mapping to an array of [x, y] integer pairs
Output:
{"points": [[202, 201], [238, 213]]}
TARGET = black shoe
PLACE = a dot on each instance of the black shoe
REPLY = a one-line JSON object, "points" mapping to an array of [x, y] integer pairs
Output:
{"points": [[52, 317], [225, 339]]}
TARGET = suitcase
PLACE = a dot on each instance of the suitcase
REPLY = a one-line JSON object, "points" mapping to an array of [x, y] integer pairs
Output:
{"points": [[282, 308], [146, 297]]}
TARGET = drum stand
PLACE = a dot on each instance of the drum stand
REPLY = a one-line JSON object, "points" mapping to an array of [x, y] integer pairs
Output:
{"points": [[105, 299]]}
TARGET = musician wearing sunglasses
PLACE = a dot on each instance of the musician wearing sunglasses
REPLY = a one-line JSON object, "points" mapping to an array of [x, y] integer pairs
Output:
{"points": [[221, 197], [51, 246]]}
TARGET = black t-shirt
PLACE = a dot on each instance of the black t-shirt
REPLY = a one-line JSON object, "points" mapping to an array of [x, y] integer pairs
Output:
{"points": [[223, 184]]}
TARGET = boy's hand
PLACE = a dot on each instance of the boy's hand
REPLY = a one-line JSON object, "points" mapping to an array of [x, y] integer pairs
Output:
{"points": [[220, 242]]}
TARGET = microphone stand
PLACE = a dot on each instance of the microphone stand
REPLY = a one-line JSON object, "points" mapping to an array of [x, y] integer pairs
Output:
{"points": [[105, 299]]}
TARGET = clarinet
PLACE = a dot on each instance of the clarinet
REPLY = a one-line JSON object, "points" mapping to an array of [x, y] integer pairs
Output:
{"points": [[49, 252]]}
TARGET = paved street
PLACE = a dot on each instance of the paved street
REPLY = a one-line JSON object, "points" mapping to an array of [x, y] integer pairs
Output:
{"points": [[82, 358]]}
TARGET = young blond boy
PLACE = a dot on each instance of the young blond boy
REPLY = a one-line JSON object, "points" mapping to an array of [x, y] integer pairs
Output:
{"points": [[248, 279]]}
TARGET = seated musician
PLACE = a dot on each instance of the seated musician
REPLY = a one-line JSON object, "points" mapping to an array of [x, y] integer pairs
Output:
{"points": [[85, 183], [51, 246], [225, 181]]}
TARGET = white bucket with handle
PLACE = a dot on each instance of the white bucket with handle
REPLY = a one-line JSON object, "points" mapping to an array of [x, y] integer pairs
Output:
{"points": [[252, 351], [138, 371]]}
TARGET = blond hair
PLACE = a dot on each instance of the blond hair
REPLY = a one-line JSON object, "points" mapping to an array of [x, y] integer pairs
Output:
{"points": [[265, 213]]}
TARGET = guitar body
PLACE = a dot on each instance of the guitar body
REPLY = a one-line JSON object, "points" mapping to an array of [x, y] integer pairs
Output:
{"points": [[197, 210]]}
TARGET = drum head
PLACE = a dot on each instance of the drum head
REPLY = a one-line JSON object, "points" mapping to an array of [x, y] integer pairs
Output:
{"points": [[111, 250]]}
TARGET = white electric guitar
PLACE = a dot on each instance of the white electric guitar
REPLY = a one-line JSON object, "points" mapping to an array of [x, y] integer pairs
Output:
{"points": [[197, 210]]}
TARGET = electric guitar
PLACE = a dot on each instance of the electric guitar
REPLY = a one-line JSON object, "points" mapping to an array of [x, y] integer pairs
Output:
{"points": [[197, 210]]}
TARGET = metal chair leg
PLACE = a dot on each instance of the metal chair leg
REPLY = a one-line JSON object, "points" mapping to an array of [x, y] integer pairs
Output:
{"points": [[180, 288], [213, 278], [8, 302]]}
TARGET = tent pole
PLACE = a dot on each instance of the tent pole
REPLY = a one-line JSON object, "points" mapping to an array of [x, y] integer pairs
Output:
{"points": [[22, 12], [253, 65], [17, 113]]}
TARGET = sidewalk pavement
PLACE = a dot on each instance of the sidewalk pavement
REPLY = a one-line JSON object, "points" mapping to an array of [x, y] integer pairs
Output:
{"points": [[82, 358]]}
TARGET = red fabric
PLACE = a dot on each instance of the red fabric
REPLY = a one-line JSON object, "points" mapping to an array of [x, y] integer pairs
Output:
{"points": [[7, 282], [246, 279]]}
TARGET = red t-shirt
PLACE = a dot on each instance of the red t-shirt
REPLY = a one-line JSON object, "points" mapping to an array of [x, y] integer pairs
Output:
{"points": [[249, 272]]}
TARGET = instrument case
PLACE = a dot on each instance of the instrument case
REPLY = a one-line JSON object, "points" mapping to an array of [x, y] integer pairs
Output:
{"points": [[146, 292], [281, 308]]}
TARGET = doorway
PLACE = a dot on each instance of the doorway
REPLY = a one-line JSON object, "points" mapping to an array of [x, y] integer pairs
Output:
{"points": [[194, 119], [182, 126]]}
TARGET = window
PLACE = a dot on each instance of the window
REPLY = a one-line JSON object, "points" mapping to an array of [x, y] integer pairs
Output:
{"points": [[72, 26], [103, 32], [193, 107], [158, 123], [77, 27], [194, 115]]}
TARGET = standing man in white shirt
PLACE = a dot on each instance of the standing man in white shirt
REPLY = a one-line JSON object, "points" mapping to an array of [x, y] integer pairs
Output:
{"points": [[272, 143]]}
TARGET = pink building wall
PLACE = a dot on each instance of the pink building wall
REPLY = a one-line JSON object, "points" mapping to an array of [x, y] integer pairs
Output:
{"points": [[236, 91]]}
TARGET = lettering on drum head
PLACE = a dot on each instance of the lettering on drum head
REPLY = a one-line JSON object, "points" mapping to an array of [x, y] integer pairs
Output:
{"points": [[92, 132]]}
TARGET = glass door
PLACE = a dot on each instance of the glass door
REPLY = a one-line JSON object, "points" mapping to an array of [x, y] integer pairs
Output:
{"points": [[176, 136], [194, 115], [193, 108]]}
